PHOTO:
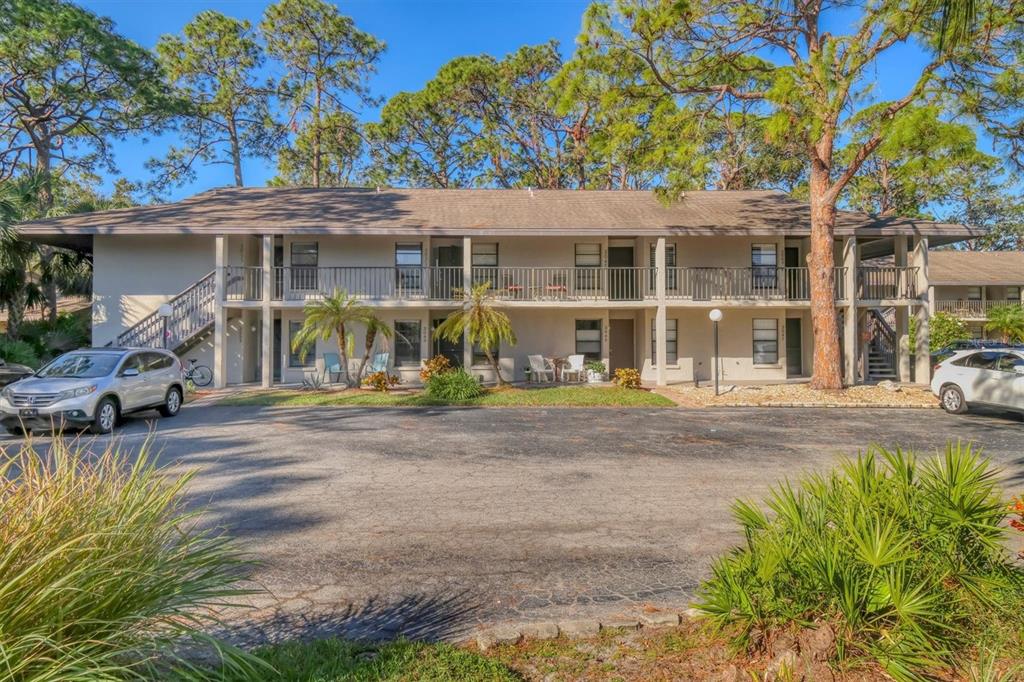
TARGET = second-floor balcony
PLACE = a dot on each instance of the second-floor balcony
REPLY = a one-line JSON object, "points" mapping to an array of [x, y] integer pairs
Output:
{"points": [[971, 309], [558, 284]]}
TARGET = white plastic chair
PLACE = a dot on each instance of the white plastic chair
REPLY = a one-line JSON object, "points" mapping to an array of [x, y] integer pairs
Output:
{"points": [[573, 368], [539, 369]]}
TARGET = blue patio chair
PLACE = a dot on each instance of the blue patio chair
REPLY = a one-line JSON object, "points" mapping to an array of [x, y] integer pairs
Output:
{"points": [[332, 367], [379, 363]]}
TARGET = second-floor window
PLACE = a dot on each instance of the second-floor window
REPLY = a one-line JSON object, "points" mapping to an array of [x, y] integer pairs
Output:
{"points": [[671, 279], [1013, 294], [485, 264], [409, 266], [973, 293], [588, 266], [305, 256], [763, 260]]}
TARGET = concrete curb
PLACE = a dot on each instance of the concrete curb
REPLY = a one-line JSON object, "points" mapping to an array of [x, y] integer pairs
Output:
{"points": [[579, 629], [832, 405]]}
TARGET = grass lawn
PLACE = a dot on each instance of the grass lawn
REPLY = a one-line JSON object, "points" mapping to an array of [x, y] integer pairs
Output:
{"points": [[563, 396]]}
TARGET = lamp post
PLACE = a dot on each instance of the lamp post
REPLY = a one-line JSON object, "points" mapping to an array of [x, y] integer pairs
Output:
{"points": [[164, 311], [716, 316]]}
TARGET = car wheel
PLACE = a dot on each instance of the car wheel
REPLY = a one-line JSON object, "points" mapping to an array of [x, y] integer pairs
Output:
{"points": [[952, 399], [106, 416], [18, 431], [172, 403]]}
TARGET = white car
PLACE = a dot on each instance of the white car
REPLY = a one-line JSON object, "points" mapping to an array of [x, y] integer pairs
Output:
{"points": [[993, 377]]}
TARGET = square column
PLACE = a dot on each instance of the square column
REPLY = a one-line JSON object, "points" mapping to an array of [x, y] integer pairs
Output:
{"points": [[220, 319], [266, 343], [660, 332], [851, 344], [467, 285], [902, 314], [923, 359]]}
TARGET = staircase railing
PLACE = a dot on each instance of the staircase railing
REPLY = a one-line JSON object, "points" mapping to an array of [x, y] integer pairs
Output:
{"points": [[883, 338], [192, 311]]}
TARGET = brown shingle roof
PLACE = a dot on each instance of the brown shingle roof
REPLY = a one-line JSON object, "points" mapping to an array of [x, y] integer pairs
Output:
{"points": [[473, 211], [976, 267]]}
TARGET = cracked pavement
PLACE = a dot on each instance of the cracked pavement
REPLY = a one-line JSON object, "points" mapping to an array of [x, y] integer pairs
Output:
{"points": [[376, 522]]}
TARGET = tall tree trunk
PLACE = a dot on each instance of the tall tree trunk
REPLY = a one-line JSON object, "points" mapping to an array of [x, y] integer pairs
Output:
{"points": [[343, 352], [824, 317], [316, 136], [371, 338], [494, 364], [46, 253], [236, 152]]}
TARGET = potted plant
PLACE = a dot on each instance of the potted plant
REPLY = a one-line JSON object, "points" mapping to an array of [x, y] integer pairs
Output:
{"points": [[595, 371]]}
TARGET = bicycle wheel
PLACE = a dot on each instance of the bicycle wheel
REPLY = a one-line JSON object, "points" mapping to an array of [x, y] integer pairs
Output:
{"points": [[201, 375]]}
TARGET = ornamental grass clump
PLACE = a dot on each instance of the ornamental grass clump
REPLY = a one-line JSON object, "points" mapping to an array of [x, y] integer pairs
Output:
{"points": [[454, 387], [906, 559], [104, 575]]}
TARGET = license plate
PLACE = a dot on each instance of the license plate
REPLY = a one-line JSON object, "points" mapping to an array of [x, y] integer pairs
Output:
{"points": [[29, 412]]}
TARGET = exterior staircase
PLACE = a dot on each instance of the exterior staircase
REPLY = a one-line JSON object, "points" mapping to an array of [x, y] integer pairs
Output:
{"points": [[191, 316], [883, 347]]}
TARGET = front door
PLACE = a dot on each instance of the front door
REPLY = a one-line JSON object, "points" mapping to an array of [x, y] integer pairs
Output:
{"points": [[452, 351], [797, 286], [622, 283], [620, 336], [794, 347], [443, 282]]}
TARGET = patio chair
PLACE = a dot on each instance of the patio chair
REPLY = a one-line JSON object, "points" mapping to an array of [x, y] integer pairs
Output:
{"points": [[332, 367], [540, 369], [573, 368], [379, 363]]}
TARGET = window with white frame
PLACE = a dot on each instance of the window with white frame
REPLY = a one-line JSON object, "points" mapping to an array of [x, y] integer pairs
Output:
{"points": [[588, 264], [409, 267], [296, 358], [763, 261], [671, 341], [973, 293], [588, 339], [485, 263], [671, 279], [766, 342], [305, 256], [407, 343], [1013, 294]]}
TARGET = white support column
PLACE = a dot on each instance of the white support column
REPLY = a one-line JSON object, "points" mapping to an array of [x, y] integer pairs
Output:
{"points": [[467, 284], [922, 360], [902, 313], [220, 320], [851, 343], [267, 316], [660, 331]]}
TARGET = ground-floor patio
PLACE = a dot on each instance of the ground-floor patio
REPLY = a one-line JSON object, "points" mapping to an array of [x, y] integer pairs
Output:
{"points": [[425, 522]]}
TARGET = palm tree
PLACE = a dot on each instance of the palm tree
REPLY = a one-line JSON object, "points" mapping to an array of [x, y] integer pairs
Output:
{"points": [[331, 315], [374, 327], [1007, 321], [19, 284], [482, 323]]}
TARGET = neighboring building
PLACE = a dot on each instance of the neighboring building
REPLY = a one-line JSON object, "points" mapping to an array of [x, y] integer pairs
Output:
{"points": [[615, 275], [970, 283]]}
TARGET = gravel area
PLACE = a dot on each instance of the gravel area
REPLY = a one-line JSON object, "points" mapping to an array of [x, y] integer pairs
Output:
{"points": [[802, 395]]}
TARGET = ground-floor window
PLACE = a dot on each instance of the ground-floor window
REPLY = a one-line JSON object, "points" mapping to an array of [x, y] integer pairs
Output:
{"points": [[766, 342], [295, 357], [588, 339], [480, 357], [407, 343], [671, 341]]}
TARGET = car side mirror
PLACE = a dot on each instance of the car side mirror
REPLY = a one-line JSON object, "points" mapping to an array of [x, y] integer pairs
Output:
{"points": [[130, 372]]}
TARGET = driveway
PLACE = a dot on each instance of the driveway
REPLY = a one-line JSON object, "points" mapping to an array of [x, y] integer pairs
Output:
{"points": [[377, 522]]}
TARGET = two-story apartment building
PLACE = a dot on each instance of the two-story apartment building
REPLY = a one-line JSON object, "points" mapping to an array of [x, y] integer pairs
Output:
{"points": [[618, 276], [968, 284]]}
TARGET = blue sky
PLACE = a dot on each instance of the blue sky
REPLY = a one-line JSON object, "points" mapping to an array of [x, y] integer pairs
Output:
{"points": [[421, 35]]}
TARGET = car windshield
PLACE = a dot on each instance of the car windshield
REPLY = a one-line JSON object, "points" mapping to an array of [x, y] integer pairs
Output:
{"points": [[81, 366]]}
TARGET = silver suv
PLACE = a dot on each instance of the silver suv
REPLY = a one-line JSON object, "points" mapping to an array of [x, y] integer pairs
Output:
{"points": [[93, 387]]}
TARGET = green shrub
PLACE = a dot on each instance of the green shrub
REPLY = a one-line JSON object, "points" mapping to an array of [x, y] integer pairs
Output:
{"points": [[19, 352], [454, 387], [50, 339], [104, 574], [905, 558]]}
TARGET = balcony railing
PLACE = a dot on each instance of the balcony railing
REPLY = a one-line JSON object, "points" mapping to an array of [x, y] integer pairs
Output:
{"points": [[754, 283], [970, 308], [243, 283], [403, 283], [891, 282], [569, 284]]}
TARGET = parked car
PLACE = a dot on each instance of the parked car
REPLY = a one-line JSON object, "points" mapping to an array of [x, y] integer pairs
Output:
{"points": [[964, 344], [10, 372], [93, 387], [991, 377]]}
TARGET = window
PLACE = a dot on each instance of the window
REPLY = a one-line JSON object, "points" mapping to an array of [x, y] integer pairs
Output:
{"points": [[295, 358], [409, 267], [766, 342], [480, 358], [985, 360], [485, 264], [1013, 294], [1009, 362], [588, 339], [671, 342], [588, 262], [305, 257], [763, 260], [973, 293], [407, 343], [155, 361], [671, 274]]}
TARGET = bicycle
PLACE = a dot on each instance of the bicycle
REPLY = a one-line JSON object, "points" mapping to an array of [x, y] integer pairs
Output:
{"points": [[198, 375]]}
